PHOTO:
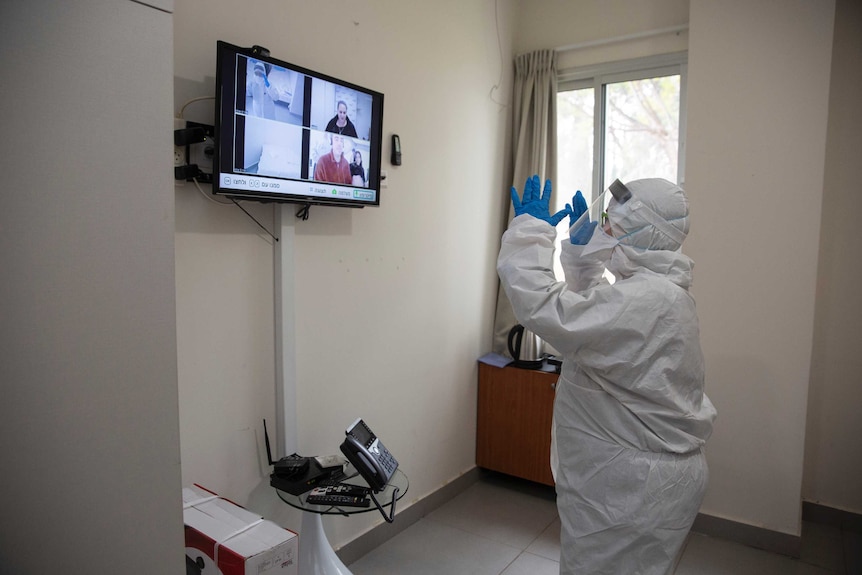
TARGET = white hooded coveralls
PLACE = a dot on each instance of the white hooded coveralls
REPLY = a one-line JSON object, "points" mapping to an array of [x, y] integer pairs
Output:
{"points": [[630, 413]]}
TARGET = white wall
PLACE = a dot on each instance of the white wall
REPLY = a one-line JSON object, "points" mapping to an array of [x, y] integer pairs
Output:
{"points": [[833, 453], [757, 108], [393, 304], [546, 24], [89, 430]]}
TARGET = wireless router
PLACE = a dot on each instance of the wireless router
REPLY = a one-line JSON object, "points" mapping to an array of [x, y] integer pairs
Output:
{"points": [[296, 474]]}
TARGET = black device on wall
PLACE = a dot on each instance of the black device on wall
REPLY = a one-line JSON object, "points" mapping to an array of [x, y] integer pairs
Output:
{"points": [[279, 126], [396, 150]]}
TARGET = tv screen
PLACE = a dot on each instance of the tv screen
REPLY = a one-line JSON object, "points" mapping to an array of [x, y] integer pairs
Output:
{"points": [[287, 134]]}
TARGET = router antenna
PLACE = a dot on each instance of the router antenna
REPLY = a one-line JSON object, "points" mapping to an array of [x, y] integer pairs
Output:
{"points": [[266, 439]]}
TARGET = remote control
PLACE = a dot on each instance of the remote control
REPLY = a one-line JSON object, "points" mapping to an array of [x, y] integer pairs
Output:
{"points": [[347, 489], [339, 500], [341, 489]]}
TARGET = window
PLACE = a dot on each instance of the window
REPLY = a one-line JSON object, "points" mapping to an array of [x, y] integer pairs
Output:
{"points": [[622, 120]]}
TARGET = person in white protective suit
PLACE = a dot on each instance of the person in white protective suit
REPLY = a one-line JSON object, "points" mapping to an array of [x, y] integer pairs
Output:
{"points": [[630, 413]]}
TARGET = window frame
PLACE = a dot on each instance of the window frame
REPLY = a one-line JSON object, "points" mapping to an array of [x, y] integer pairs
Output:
{"points": [[598, 76]]}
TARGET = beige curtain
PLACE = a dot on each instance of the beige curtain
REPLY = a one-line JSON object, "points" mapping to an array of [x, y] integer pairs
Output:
{"points": [[534, 145]]}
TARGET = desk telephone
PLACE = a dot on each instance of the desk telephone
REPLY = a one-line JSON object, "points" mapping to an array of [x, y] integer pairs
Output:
{"points": [[368, 455]]}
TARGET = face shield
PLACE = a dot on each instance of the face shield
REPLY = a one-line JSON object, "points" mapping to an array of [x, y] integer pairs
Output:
{"points": [[597, 214], [649, 214], [655, 217]]}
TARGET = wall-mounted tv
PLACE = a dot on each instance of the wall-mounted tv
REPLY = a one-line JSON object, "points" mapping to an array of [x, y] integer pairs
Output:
{"points": [[287, 134]]}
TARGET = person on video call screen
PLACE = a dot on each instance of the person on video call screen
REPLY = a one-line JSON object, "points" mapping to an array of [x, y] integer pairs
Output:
{"points": [[340, 123], [333, 166]]}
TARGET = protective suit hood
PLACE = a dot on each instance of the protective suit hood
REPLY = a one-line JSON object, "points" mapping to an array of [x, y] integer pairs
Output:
{"points": [[655, 218], [651, 227], [676, 267]]}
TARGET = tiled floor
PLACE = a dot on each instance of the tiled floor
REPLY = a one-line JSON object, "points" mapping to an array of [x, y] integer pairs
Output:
{"points": [[500, 526]]}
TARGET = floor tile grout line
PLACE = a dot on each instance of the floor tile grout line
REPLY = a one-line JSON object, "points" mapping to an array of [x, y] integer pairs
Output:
{"points": [[379, 548], [462, 530], [512, 562], [521, 554], [679, 557]]}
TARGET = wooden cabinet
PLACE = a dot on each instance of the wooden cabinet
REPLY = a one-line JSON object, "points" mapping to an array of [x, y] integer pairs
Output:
{"points": [[514, 421]]}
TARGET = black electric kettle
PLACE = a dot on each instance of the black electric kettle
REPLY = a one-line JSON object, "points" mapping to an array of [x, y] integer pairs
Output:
{"points": [[526, 348]]}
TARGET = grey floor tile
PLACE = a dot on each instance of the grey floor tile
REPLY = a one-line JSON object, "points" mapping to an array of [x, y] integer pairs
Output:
{"points": [[822, 546], [498, 513], [852, 552], [547, 544], [681, 553], [431, 548], [529, 564], [709, 556]]}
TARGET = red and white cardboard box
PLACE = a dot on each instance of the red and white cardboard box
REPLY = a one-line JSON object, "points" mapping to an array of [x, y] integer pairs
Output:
{"points": [[223, 538]]}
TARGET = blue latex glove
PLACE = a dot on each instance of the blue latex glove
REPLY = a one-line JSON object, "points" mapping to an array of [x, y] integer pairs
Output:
{"points": [[537, 203], [584, 232]]}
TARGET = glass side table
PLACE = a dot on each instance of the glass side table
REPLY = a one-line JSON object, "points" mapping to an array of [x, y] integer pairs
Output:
{"points": [[316, 555]]}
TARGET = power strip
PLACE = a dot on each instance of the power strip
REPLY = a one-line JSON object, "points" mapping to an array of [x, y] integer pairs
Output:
{"points": [[201, 154], [179, 152], [194, 150]]}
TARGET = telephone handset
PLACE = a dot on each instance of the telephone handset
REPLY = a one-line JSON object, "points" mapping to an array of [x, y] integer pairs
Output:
{"points": [[368, 455]]}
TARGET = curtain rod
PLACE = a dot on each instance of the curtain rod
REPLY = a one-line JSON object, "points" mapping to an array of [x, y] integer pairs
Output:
{"points": [[617, 39]]}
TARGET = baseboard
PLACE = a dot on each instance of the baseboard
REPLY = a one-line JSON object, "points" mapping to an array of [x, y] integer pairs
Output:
{"points": [[845, 520], [758, 537], [405, 518], [772, 540]]}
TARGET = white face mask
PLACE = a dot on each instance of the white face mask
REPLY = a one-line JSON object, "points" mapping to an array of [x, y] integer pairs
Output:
{"points": [[601, 245]]}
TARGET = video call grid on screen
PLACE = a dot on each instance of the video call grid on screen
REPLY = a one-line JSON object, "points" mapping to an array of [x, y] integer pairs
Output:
{"points": [[280, 124]]}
